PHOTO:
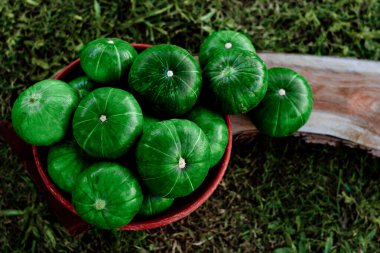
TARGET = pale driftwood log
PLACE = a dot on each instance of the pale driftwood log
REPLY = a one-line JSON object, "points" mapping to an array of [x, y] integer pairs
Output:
{"points": [[346, 95]]}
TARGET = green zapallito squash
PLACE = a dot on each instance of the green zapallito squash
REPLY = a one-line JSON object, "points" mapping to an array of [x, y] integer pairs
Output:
{"points": [[107, 59], [82, 84], [223, 41], [65, 163], [287, 104], [153, 205], [235, 81], [215, 128], [41, 113], [107, 195], [167, 78], [107, 122], [173, 158]]}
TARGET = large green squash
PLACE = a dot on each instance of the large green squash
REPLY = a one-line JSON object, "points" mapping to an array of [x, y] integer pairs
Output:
{"points": [[223, 41], [167, 78], [107, 59], [82, 84], [235, 81], [287, 104], [107, 195], [65, 162], [107, 122], [215, 128], [42, 112], [173, 158], [153, 205]]}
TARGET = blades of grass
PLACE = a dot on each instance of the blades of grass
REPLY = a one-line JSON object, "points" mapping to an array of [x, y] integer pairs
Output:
{"points": [[328, 245]]}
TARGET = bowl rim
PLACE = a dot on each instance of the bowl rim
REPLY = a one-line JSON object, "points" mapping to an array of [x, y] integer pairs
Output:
{"points": [[155, 222]]}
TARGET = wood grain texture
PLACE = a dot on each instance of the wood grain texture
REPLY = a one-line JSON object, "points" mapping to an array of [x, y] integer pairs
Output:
{"points": [[346, 95]]}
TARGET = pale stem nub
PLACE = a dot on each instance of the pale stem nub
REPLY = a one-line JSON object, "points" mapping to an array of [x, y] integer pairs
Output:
{"points": [[100, 204], [110, 42], [103, 118], [228, 45], [282, 92], [181, 163], [169, 73]]}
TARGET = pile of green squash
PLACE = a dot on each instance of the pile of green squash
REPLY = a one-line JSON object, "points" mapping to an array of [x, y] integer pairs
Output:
{"points": [[138, 131]]}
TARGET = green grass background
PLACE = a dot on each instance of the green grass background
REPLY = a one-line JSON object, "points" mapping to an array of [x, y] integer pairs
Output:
{"points": [[278, 195]]}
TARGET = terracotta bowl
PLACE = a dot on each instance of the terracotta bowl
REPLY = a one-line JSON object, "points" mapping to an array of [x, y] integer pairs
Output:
{"points": [[181, 208]]}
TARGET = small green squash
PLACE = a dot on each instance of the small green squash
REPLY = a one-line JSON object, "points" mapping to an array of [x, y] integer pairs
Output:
{"points": [[173, 158], [215, 128], [107, 122], [41, 113], [167, 78], [148, 122], [287, 104], [223, 41], [65, 162], [107, 195], [235, 81], [82, 84], [107, 59], [153, 205]]}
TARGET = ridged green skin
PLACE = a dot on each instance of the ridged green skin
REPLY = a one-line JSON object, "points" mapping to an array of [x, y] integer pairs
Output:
{"points": [[65, 163], [82, 84], [107, 59], [216, 42], [166, 95], [112, 137], [235, 81], [158, 158], [42, 112], [116, 187], [215, 128], [153, 205], [148, 122], [282, 115]]}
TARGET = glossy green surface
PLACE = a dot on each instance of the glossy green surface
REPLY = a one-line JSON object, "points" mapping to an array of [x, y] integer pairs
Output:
{"points": [[215, 128], [107, 122], [167, 78], [41, 113], [235, 81], [153, 205], [287, 104], [223, 41], [65, 162], [82, 84], [107, 59], [148, 122], [173, 158], [107, 195]]}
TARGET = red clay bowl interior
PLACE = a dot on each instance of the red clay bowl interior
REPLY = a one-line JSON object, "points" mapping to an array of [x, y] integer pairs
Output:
{"points": [[181, 208]]}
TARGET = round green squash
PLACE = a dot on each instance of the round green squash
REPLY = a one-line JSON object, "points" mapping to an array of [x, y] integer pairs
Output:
{"points": [[148, 122], [215, 128], [65, 162], [235, 81], [153, 205], [107, 122], [107, 195], [173, 158], [223, 41], [287, 104], [82, 84], [41, 113], [107, 59], [167, 78]]}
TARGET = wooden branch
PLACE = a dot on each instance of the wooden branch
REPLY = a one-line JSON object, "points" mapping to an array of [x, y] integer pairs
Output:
{"points": [[346, 96]]}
